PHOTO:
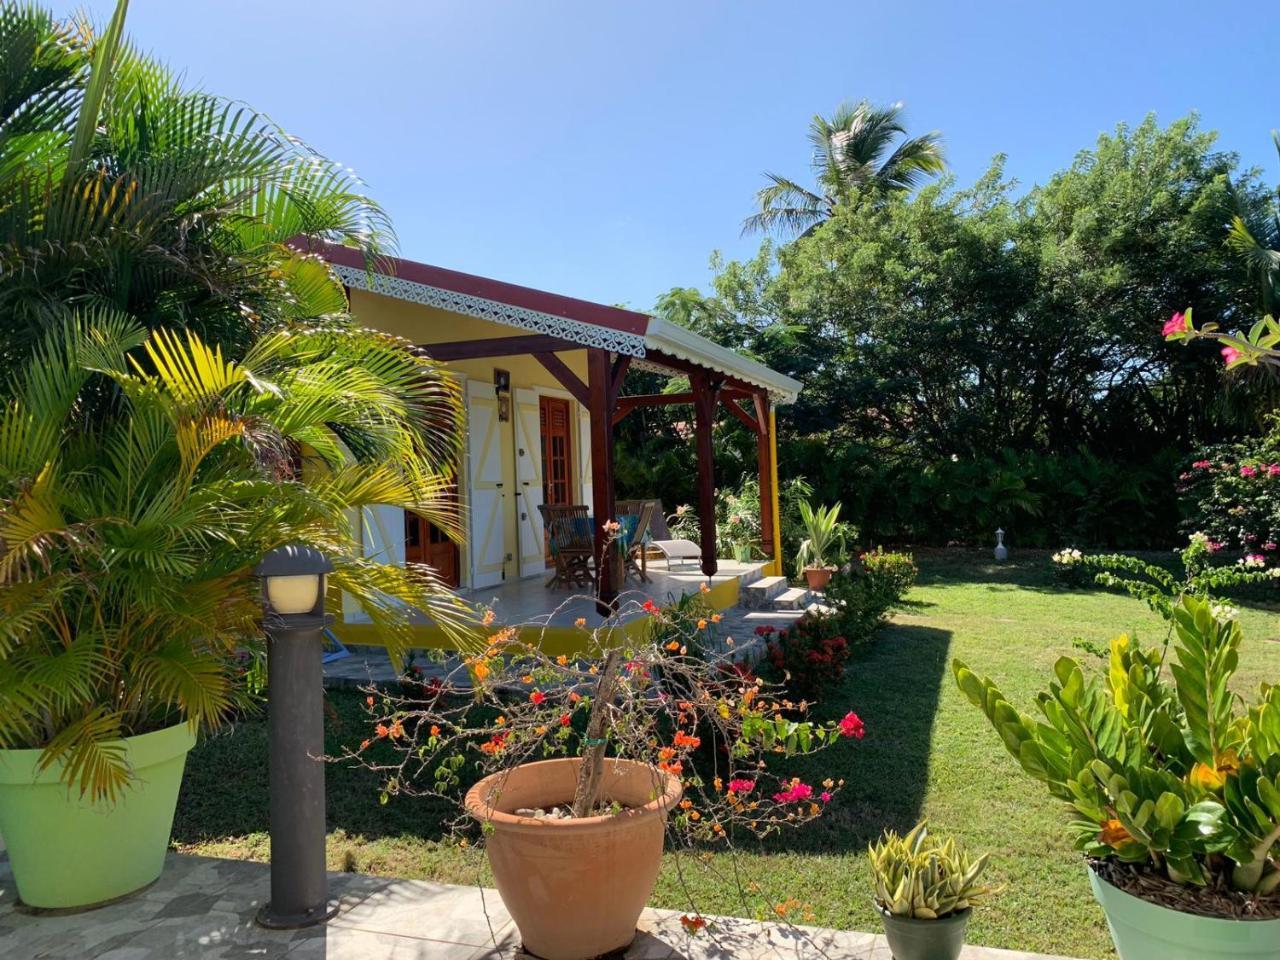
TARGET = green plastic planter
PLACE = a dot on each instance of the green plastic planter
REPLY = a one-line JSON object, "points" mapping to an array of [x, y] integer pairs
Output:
{"points": [[1148, 931], [925, 939], [70, 852]]}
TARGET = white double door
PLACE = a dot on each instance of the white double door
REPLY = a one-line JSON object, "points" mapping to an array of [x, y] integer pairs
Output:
{"points": [[492, 500]]}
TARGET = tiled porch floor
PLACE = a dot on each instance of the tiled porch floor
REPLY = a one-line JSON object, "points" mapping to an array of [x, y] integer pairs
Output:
{"points": [[204, 908], [530, 602]]}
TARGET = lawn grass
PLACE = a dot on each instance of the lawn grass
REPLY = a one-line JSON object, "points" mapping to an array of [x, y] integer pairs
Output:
{"points": [[927, 752]]}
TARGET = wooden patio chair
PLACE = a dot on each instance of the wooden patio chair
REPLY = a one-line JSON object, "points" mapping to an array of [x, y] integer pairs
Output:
{"points": [[635, 547], [572, 542]]}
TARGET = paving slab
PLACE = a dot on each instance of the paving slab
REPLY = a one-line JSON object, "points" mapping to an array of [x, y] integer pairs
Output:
{"points": [[203, 907]]}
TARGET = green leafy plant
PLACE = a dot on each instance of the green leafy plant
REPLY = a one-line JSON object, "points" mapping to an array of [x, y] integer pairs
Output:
{"points": [[922, 878], [1159, 587], [118, 187], [128, 538], [1181, 777], [825, 536]]}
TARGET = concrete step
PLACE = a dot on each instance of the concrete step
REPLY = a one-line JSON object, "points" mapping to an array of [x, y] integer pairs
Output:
{"points": [[760, 594], [750, 575], [793, 598]]}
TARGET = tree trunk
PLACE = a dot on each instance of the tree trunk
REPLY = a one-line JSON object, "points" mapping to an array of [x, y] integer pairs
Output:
{"points": [[590, 774]]}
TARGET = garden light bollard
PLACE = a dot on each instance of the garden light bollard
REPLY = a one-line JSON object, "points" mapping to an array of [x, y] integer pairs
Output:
{"points": [[293, 589]]}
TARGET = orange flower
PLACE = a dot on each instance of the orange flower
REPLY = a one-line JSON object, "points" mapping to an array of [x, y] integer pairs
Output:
{"points": [[716, 618], [692, 924], [364, 744], [575, 696], [683, 739], [1113, 834], [562, 660], [488, 618], [397, 730], [702, 624], [480, 669], [703, 588], [501, 721], [580, 622], [686, 804], [537, 697], [1212, 778], [435, 731], [368, 701], [673, 645], [694, 815], [381, 730], [666, 753]]}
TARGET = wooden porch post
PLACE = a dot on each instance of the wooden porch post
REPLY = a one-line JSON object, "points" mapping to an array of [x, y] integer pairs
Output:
{"points": [[764, 458], [705, 395], [601, 396]]}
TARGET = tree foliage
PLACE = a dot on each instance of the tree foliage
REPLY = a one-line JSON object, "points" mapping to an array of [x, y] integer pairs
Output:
{"points": [[979, 356]]}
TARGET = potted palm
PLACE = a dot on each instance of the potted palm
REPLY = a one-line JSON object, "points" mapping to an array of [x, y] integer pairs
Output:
{"points": [[1172, 783], [127, 542], [925, 890], [823, 546], [585, 764]]}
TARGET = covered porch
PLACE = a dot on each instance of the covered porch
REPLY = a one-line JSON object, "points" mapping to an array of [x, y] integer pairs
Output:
{"points": [[530, 359]]}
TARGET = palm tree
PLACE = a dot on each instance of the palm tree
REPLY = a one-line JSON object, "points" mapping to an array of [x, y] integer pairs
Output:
{"points": [[119, 188], [128, 539], [851, 154], [1255, 236], [143, 472]]}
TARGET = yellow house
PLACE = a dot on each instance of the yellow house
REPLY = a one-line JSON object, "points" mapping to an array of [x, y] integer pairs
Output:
{"points": [[542, 376]]}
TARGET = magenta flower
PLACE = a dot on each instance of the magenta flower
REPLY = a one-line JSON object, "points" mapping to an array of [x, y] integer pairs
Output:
{"points": [[851, 725], [1230, 355], [1175, 325], [1248, 472], [1273, 469], [1269, 545], [825, 796], [741, 786], [1201, 465], [796, 793]]}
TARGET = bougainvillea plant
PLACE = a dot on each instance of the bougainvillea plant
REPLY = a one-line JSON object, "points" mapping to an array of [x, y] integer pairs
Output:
{"points": [[660, 695]]}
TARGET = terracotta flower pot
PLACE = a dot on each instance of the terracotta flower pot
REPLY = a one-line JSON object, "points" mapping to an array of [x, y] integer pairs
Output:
{"points": [[818, 577], [575, 888]]}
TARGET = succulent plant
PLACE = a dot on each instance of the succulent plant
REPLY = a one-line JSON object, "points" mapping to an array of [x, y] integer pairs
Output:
{"points": [[920, 878]]}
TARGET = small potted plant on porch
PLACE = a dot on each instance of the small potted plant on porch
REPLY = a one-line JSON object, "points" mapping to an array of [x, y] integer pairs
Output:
{"points": [[1173, 786], [823, 546], [587, 763], [925, 890]]}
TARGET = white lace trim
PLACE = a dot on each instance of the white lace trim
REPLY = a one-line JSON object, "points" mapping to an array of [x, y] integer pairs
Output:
{"points": [[587, 334]]}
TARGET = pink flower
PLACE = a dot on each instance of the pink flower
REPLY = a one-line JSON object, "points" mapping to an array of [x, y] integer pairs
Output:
{"points": [[1255, 558], [825, 796], [1230, 355], [1175, 325], [741, 786], [1273, 469], [1269, 545], [851, 725], [796, 793], [1201, 465], [1213, 546], [1248, 472]]}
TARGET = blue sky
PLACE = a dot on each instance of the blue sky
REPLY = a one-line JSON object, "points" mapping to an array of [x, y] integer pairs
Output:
{"points": [[604, 149]]}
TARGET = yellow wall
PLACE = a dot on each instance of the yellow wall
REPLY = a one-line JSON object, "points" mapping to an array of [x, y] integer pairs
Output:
{"points": [[425, 325]]}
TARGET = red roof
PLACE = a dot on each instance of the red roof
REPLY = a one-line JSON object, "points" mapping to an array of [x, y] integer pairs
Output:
{"points": [[615, 318]]}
